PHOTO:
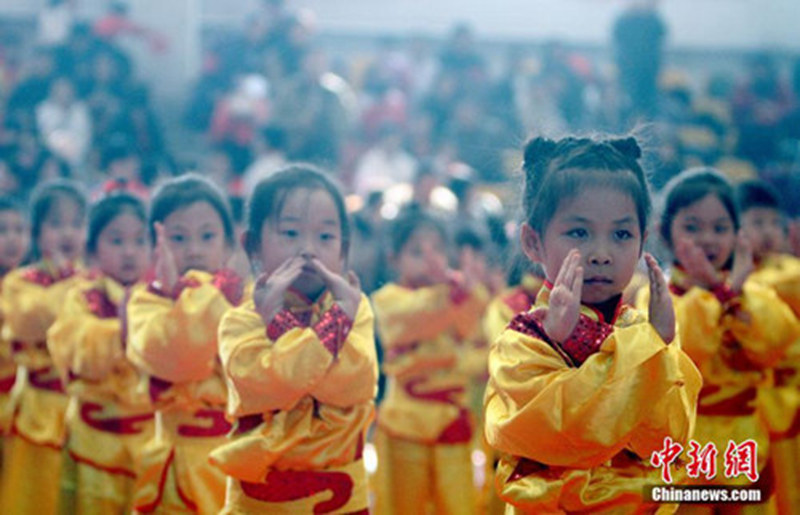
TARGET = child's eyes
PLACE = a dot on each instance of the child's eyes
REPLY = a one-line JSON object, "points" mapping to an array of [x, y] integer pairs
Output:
{"points": [[208, 236], [177, 238], [289, 233], [690, 228], [116, 241], [721, 229], [327, 236], [577, 233], [623, 234]]}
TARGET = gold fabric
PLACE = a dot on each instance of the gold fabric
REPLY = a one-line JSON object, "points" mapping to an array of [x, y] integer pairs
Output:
{"points": [[593, 427]]}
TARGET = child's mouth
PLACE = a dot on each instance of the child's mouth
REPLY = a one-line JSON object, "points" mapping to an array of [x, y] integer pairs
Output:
{"points": [[597, 281]]}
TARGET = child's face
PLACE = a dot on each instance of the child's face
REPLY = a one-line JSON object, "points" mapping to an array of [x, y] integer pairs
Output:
{"points": [[14, 239], [423, 259], [63, 231], [709, 226], [196, 237], [604, 226], [122, 249], [308, 225], [765, 229]]}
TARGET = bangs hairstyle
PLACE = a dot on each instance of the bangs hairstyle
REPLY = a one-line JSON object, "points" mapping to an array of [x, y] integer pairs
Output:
{"points": [[269, 197], [11, 204], [408, 223], [556, 171], [182, 192], [45, 197], [691, 186], [105, 210], [756, 193]]}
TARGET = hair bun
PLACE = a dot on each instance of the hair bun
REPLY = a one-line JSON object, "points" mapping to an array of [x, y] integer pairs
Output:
{"points": [[538, 149], [628, 147]]}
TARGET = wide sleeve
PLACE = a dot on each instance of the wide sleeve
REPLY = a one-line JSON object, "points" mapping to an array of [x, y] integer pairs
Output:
{"points": [[82, 343], [176, 339], [539, 408], [352, 378], [697, 316], [764, 325], [407, 315], [273, 367], [30, 308]]}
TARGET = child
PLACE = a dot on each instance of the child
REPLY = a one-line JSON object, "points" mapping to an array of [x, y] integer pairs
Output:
{"points": [[424, 425], [172, 338], [733, 329], [14, 241], [108, 420], [764, 224], [31, 299], [582, 389], [299, 358]]}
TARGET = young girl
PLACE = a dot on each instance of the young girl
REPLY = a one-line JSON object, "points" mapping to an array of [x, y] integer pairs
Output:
{"points": [[299, 358], [31, 299], [424, 426], [764, 225], [172, 338], [582, 389], [734, 329], [108, 420], [14, 241]]}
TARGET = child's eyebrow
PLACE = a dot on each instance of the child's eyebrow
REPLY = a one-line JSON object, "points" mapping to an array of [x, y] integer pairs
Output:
{"points": [[330, 221], [626, 220], [579, 219], [288, 219]]}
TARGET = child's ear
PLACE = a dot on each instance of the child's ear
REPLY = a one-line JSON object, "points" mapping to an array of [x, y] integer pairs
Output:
{"points": [[531, 243]]}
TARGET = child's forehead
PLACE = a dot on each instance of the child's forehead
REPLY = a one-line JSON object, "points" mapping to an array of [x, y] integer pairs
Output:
{"points": [[598, 204], [11, 215], [307, 203], [62, 205], [199, 212]]}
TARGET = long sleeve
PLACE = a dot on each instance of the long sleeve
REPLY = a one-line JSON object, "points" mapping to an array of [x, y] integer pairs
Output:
{"points": [[83, 343], [176, 339], [276, 373], [539, 408]]}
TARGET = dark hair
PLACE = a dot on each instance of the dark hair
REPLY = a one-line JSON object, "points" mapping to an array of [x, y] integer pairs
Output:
{"points": [[270, 195], [757, 193], [8, 203], [408, 223], [470, 237], [45, 197], [691, 186], [183, 191], [105, 210], [558, 170]]}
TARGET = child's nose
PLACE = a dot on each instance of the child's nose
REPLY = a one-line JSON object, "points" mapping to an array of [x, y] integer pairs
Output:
{"points": [[599, 255]]}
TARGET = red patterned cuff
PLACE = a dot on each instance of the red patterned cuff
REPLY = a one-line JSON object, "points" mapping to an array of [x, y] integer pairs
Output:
{"points": [[458, 294], [586, 338], [282, 323], [724, 293], [230, 284], [332, 329]]}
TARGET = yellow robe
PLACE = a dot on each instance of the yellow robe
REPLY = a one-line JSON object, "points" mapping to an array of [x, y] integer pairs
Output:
{"points": [[424, 421], [109, 419], [172, 339], [8, 375], [781, 403], [31, 298], [735, 342], [302, 393], [577, 438]]}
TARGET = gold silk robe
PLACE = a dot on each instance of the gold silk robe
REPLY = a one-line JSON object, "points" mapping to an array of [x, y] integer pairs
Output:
{"points": [[577, 422], [109, 418], [301, 390], [172, 339], [31, 298]]}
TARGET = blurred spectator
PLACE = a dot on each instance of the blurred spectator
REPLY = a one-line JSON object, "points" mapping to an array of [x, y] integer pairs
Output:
{"points": [[64, 124], [385, 164], [638, 36], [115, 23], [269, 149], [55, 22]]}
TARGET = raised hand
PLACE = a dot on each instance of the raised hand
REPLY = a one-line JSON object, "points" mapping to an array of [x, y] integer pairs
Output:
{"points": [[346, 290], [165, 269], [565, 299], [697, 265], [661, 312], [269, 290], [743, 264]]}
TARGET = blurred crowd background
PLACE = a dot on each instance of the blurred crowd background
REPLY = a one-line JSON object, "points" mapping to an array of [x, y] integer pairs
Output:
{"points": [[428, 120]]}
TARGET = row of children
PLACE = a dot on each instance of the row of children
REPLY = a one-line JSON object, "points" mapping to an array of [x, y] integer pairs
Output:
{"points": [[184, 386]]}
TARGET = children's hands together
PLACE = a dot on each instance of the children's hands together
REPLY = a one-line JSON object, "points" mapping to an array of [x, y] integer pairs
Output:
{"points": [[661, 312], [743, 264], [565, 299], [269, 289], [165, 268], [346, 290], [697, 265]]}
